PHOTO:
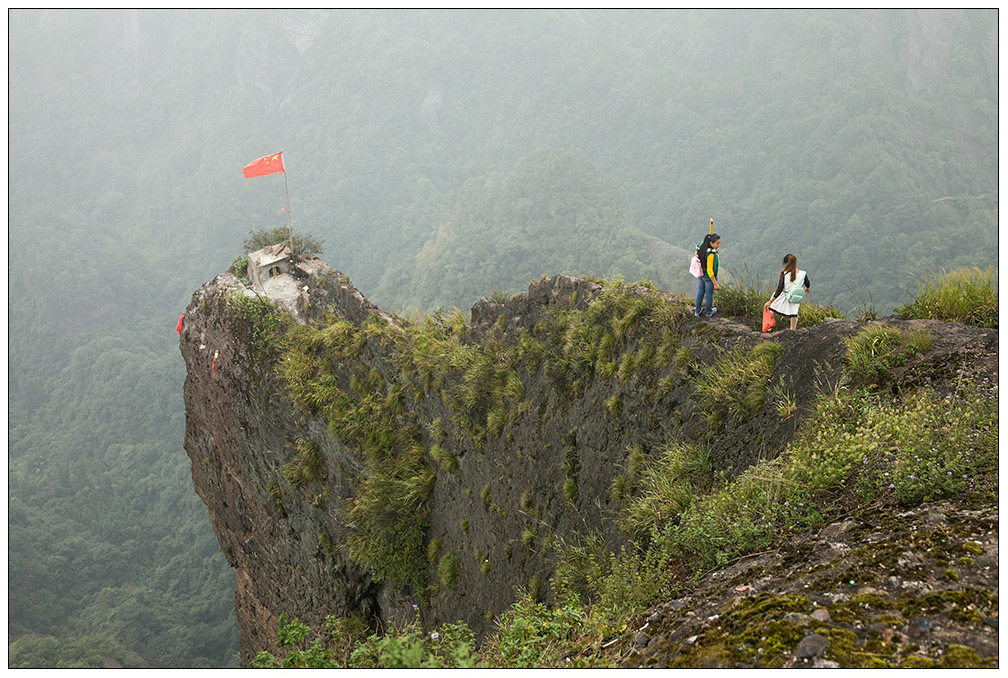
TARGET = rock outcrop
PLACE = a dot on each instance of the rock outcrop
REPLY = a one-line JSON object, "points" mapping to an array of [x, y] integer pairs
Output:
{"points": [[517, 455]]}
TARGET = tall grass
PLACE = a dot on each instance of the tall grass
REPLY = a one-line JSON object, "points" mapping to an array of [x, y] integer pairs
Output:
{"points": [[734, 388], [811, 313], [743, 297], [856, 449], [876, 349], [667, 486], [965, 295]]}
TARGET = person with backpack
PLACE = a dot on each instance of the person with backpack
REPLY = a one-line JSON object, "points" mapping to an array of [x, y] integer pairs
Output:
{"points": [[791, 289], [707, 254]]}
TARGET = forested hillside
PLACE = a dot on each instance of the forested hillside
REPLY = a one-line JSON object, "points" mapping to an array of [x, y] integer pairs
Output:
{"points": [[440, 156]]}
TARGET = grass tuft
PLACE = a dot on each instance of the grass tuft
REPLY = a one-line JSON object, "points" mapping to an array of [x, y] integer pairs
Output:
{"points": [[965, 295], [733, 389], [875, 350]]}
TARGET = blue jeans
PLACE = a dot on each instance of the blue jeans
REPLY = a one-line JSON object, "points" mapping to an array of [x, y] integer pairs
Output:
{"points": [[705, 291]]}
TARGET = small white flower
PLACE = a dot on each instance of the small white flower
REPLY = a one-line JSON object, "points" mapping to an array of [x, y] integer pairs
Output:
{"points": [[435, 635]]}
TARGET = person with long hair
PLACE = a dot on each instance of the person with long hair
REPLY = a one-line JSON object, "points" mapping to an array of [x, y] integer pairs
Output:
{"points": [[707, 253], [791, 289]]}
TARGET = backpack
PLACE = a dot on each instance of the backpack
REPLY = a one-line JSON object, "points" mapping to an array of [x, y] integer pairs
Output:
{"points": [[795, 294], [695, 266]]}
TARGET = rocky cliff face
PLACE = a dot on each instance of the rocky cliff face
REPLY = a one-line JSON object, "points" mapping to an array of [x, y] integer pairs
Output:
{"points": [[518, 422]]}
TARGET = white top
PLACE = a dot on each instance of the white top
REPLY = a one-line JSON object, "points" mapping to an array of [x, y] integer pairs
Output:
{"points": [[781, 304]]}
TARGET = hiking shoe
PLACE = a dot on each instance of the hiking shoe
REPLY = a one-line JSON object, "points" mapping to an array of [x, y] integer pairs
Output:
{"points": [[695, 314], [712, 311]]}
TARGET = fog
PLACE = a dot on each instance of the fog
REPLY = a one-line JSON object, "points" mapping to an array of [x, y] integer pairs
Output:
{"points": [[439, 155]]}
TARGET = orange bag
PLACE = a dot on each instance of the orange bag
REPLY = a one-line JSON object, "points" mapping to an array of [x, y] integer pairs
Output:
{"points": [[768, 320]]}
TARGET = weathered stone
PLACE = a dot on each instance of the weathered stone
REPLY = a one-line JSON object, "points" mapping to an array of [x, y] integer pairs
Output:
{"points": [[822, 614], [835, 530], [811, 646], [796, 618]]}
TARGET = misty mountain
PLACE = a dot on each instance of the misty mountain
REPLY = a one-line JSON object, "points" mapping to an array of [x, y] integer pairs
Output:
{"points": [[439, 155]]}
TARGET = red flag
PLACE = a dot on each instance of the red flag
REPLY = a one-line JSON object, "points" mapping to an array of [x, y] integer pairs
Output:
{"points": [[268, 164]]}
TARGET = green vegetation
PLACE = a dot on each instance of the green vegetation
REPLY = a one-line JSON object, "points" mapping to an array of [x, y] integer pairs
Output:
{"points": [[434, 550], [744, 296], [477, 380], [301, 244], [240, 267], [448, 570], [126, 157], [810, 313], [666, 486], [390, 523], [965, 295], [856, 446], [367, 413], [533, 635], [733, 389], [345, 644], [307, 466], [878, 348], [612, 587], [258, 315], [634, 325], [764, 630], [856, 450], [444, 458], [528, 537]]}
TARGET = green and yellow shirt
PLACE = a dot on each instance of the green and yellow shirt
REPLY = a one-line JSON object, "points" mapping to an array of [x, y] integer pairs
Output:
{"points": [[710, 266]]}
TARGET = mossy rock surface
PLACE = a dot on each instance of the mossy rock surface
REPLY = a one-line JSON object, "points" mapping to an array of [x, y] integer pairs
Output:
{"points": [[905, 613]]}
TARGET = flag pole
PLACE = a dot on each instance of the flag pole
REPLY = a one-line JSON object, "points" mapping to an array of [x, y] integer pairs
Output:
{"points": [[290, 229]]}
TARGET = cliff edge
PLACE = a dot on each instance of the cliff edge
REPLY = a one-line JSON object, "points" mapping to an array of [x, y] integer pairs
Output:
{"points": [[359, 464]]}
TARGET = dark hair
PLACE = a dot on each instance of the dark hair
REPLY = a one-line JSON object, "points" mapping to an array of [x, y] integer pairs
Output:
{"points": [[705, 246], [790, 266]]}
